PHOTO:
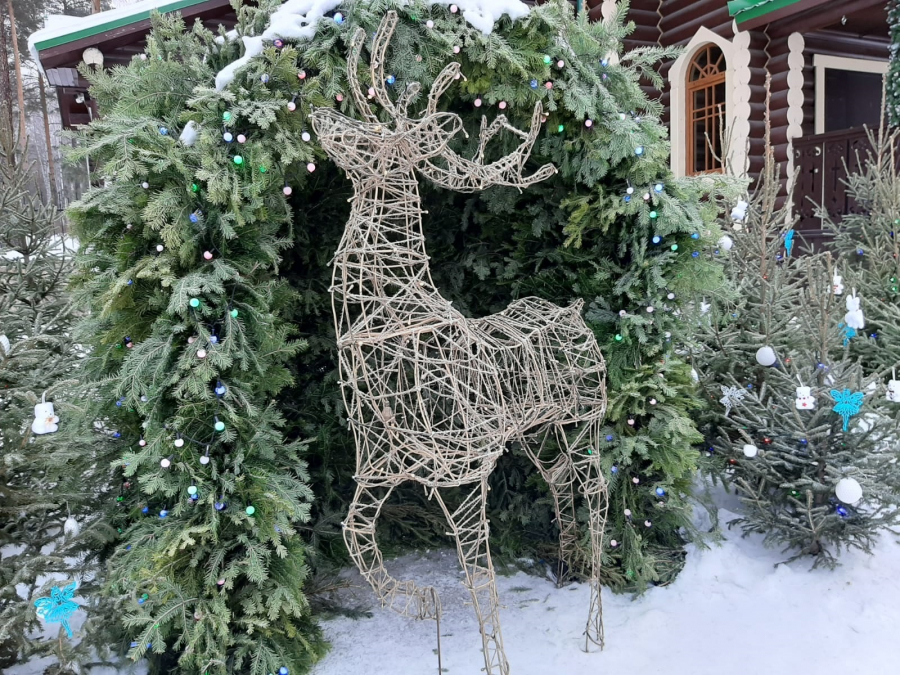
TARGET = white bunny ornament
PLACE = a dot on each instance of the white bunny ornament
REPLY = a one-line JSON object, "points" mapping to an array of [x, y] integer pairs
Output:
{"points": [[854, 316], [837, 284], [45, 419]]}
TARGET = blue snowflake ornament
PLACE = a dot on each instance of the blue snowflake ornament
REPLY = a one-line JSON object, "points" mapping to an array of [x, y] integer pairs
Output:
{"points": [[849, 332], [847, 403], [58, 607]]}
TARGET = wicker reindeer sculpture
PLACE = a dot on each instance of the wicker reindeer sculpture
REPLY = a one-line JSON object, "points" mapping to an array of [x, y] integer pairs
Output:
{"points": [[432, 396]]}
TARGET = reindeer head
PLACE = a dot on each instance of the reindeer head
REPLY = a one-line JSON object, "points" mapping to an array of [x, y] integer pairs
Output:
{"points": [[370, 147]]}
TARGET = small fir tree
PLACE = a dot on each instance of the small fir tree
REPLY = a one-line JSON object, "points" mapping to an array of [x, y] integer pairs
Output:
{"points": [[52, 485], [799, 427], [866, 248]]}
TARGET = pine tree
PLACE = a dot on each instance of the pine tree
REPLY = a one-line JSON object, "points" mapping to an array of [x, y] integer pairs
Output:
{"points": [[195, 301], [800, 428], [51, 485]]}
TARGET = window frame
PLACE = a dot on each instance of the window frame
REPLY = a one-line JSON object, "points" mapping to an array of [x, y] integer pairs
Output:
{"points": [[708, 83], [821, 62]]}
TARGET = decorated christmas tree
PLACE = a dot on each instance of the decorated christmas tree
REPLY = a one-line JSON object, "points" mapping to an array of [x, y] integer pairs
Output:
{"points": [[206, 263], [800, 428]]}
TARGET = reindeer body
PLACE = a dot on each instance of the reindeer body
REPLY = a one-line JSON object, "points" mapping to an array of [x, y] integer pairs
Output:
{"points": [[432, 396]]}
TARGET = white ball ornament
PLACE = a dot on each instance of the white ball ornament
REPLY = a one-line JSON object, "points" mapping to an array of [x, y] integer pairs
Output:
{"points": [[201, 353], [429, 23], [179, 442], [160, 248], [145, 185], [750, 450], [165, 463], [848, 490], [765, 356], [725, 242], [204, 459], [305, 136], [71, 527]]}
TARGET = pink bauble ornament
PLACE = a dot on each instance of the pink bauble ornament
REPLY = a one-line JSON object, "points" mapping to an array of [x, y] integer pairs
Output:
{"points": [[456, 49], [310, 167], [589, 123], [477, 102], [142, 442], [339, 98], [291, 106], [287, 190], [429, 23], [302, 74], [548, 85], [560, 63], [207, 255], [502, 105], [241, 138], [454, 9], [201, 353]]}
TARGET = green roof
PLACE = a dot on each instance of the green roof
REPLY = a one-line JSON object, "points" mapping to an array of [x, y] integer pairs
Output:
{"points": [[103, 22], [744, 10]]}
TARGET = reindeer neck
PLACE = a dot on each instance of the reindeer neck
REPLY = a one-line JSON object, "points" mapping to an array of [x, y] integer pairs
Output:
{"points": [[381, 272]]}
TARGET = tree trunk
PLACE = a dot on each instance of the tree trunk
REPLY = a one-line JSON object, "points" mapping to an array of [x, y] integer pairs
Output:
{"points": [[51, 165], [20, 92], [6, 114], [96, 4]]}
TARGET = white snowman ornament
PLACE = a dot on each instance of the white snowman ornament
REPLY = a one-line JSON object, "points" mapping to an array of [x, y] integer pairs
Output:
{"points": [[45, 419], [805, 400], [893, 388]]}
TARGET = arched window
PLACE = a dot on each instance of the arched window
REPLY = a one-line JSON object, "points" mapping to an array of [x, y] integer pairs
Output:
{"points": [[705, 110]]}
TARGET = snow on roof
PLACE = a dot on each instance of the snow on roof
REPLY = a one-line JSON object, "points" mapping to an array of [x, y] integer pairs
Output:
{"points": [[297, 19], [61, 29]]}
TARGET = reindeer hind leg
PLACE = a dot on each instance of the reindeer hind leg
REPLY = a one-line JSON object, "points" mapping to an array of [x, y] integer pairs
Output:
{"points": [[583, 451]]}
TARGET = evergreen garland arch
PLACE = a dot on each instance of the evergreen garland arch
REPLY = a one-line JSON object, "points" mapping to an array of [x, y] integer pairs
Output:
{"points": [[222, 570]]}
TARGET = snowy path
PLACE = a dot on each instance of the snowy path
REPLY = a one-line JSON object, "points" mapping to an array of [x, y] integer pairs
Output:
{"points": [[730, 612]]}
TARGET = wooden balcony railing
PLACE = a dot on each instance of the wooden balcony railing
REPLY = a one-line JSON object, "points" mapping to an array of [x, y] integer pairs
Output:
{"points": [[824, 161]]}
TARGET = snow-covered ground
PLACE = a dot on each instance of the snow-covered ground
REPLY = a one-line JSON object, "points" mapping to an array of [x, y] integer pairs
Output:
{"points": [[730, 612]]}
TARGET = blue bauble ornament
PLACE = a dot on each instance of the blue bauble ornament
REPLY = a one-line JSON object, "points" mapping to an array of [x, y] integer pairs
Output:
{"points": [[163, 131], [146, 509], [534, 84], [194, 218], [390, 79], [660, 492], [639, 150], [338, 19], [163, 513]]}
